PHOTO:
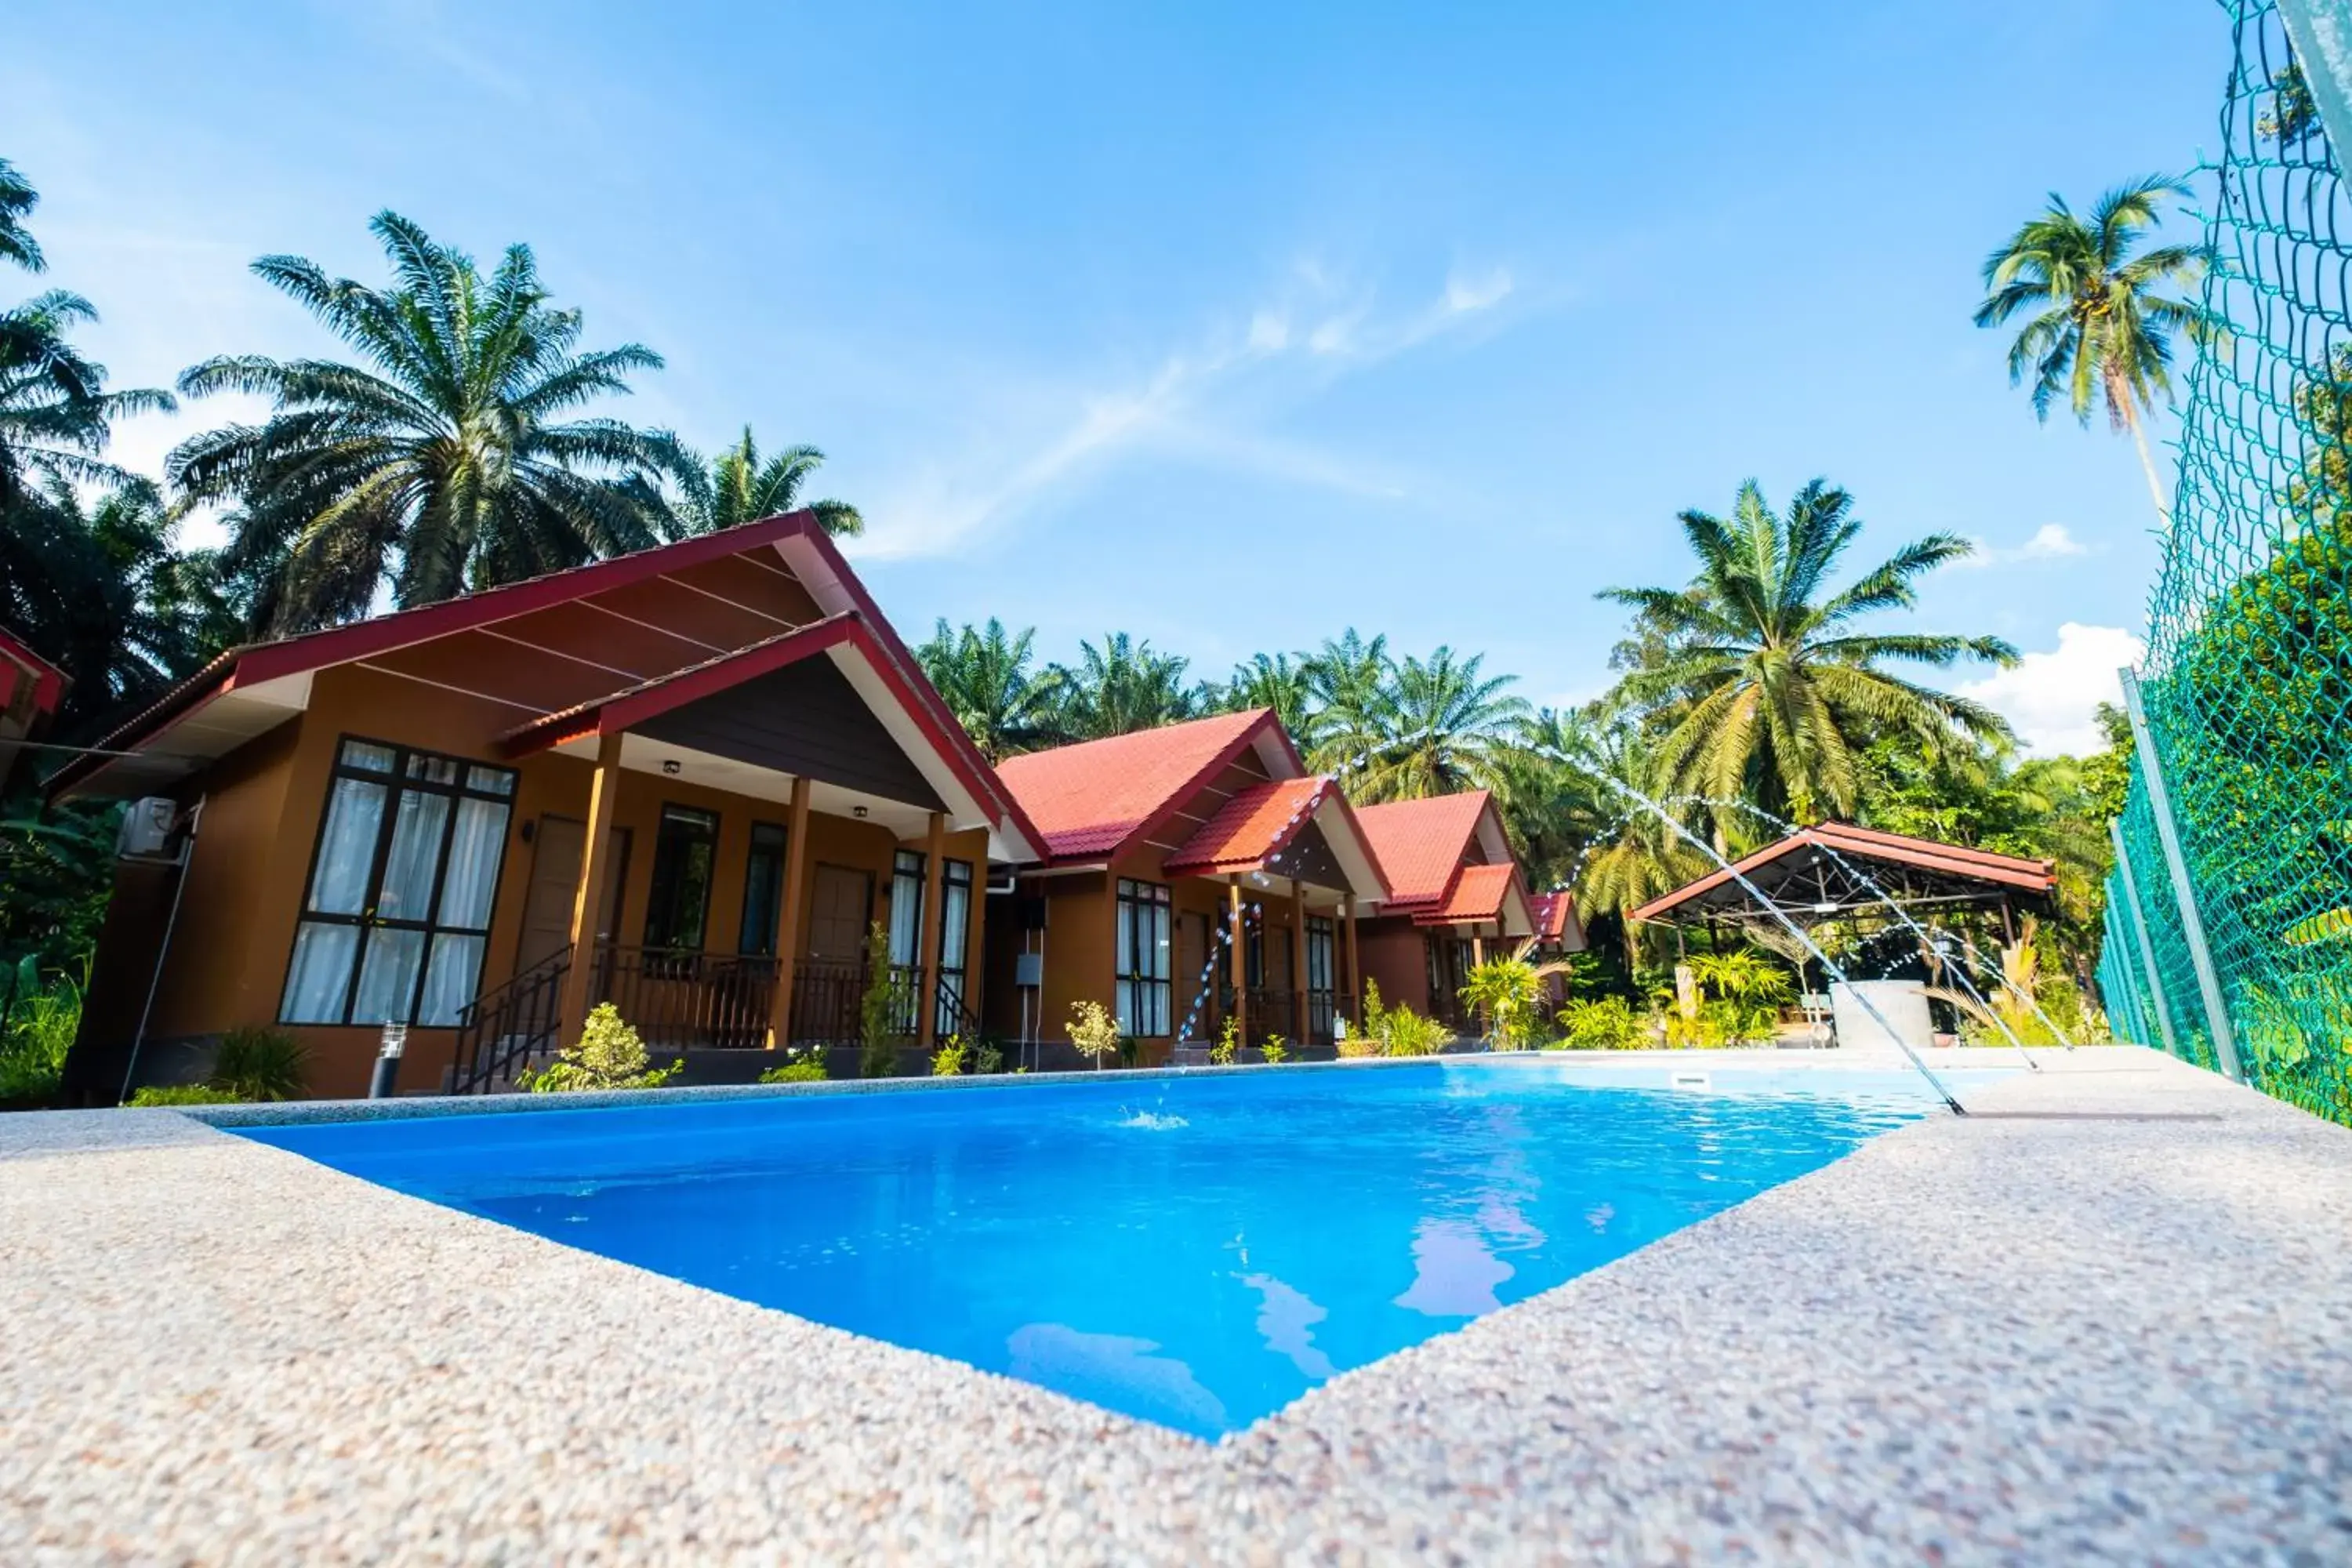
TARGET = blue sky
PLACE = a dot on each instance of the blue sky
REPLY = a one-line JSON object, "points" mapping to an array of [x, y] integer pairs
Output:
{"points": [[1228, 326]]}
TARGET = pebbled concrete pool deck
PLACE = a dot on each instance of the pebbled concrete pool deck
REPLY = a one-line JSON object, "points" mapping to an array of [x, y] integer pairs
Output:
{"points": [[2108, 1317]]}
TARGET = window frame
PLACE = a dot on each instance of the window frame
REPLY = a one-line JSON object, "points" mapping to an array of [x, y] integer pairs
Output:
{"points": [[396, 780], [1144, 914], [680, 811], [762, 942]]}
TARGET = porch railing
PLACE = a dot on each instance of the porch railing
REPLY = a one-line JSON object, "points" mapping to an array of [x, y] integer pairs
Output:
{"points": [[690, 1001], [501, 1030], [826, 997], [953, 1017]]}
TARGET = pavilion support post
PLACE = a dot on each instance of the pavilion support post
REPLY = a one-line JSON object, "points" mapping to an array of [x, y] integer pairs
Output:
{"points": [[926, 955], [588, 899], [788, 917], [1298, 1018], [1240, 940], [1477, 947]]}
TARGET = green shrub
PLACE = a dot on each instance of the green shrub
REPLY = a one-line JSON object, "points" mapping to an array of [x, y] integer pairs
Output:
{"points": [[610, 1055], [42, 1021], [1093, 1031], [808, 1070], [1228, 1046], [1274, 1050], [947, 1061], [1399, 1031], [260, 1063], [1504, 992], [1601, 1023], [989, 1061], [183, 1094], [877, 1010]]}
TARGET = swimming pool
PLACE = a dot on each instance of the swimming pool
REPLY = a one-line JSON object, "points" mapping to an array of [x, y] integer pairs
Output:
{"points": [[1194, 1250]]}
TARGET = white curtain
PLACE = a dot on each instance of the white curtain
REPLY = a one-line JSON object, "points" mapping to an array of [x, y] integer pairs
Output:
{"points": [[321, 970], [388, 976], [450, 979], [416, 825], [347, 848], [474, 845]]}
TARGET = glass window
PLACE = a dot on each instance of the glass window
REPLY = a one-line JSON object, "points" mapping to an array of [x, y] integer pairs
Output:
{"points": [[1319, 953], [686, 849], [955, 930], [406, 868], [763, 891], [905, 908], [1143, 959]]}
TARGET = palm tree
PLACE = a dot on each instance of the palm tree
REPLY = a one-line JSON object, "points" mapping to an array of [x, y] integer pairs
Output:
{"points": [[985, 680], [1445, 726], [1637, 854], [55, 415], [1125, 685], [741, 485], [1763, 689], [1282, 682], [1549, 801], [445, 465], [2099, 329], [18, 198], [1348, 678]]}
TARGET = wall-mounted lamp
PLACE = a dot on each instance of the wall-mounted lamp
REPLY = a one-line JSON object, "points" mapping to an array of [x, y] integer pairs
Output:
{"points": [[858, 812], [671, 766]]}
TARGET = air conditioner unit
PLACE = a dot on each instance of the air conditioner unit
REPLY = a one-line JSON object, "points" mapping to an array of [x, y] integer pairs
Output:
{"points": [[146, 833]]}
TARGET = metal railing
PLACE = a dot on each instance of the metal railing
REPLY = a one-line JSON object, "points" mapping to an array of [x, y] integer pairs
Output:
{"points": [[827, 997], [500, 1031], [690, 1001]]}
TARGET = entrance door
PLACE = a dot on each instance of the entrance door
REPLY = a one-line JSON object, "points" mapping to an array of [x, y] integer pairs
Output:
{"points": [[555, 884], [840, 903]]}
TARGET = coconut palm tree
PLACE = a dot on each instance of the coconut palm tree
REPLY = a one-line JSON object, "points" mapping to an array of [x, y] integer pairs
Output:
{"points": [[2098, 327], [1126, 685], [453, 460], [743, 485], [984, 677], [18, 198], [1444, 726], [1284, 682], [1761, 686]]}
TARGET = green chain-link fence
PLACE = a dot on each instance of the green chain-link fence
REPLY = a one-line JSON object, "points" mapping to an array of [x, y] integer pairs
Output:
{"points": [[2248, 686]]}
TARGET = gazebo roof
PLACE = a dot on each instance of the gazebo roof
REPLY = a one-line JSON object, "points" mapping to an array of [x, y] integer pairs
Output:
{"points": [[1817, 874]]}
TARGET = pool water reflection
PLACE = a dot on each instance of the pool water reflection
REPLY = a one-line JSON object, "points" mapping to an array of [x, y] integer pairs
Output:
{"points": [[1196, 1251]]}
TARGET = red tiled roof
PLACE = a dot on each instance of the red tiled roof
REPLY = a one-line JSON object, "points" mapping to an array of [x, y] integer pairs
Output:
{"points": [[1420, 843], [1552, 910], [1250, 829], [1479, 893], [48, 681], [1089, 799], [1873, 844]]}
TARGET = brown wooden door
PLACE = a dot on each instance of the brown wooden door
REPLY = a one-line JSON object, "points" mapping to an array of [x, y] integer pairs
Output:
{"points": [[555, 884], [841, 904]]}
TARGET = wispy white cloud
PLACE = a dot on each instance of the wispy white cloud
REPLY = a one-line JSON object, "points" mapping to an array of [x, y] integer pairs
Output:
{"points": [[1203, 404], [2051, 542], [2049, 697]]}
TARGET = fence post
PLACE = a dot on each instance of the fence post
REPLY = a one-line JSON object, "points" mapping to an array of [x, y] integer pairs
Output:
{"points": [[2146, 947], [2184, 892]]}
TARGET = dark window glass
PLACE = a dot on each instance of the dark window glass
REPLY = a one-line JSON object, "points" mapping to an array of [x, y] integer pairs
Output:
{"points": [[905, 908], [763, 891], [955, 929], [684, 849], [402, 884], [1142, 958]]}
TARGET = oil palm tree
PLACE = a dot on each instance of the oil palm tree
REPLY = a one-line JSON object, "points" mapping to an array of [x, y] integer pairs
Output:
{"points": [[1125, 685], [1348, 678], [744, 484], [1550, 803], [2098, 325], [18, 198], [1636, 854], [1445, 725], [1284, 682], [56, 413], [453, 460], [984, 677], [1763, 686]]}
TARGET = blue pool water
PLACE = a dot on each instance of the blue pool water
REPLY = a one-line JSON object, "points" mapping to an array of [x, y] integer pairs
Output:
{"points": [[1197, 1251]]}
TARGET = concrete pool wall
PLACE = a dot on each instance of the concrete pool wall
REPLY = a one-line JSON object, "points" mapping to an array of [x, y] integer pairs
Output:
{"points": [[2108, 1316]]}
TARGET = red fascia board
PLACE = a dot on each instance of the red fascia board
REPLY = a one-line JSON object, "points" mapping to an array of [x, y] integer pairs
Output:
{"points": [[2023, 875], [213, 679], [50, 682], [1988, 858], [931, 710], [1224, 758], [1336, 796]]}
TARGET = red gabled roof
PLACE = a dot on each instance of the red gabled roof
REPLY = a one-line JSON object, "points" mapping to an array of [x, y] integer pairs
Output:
{"points": [[1870, 843], [1552, 911], [1090, 800], [1420, 843], [1251, 829], [1479, 893]]}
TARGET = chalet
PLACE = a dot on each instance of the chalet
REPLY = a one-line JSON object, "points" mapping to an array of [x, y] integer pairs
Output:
{"points": [[1191, 874], [1456, 899], [686, 780]]}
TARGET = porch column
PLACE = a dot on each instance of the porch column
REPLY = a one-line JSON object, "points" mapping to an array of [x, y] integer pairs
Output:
{"points": [[1477, 946], [926, 955], [1241, 965], [1298, 1016], [1355, 974], [588, 901], [788, 918]]}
